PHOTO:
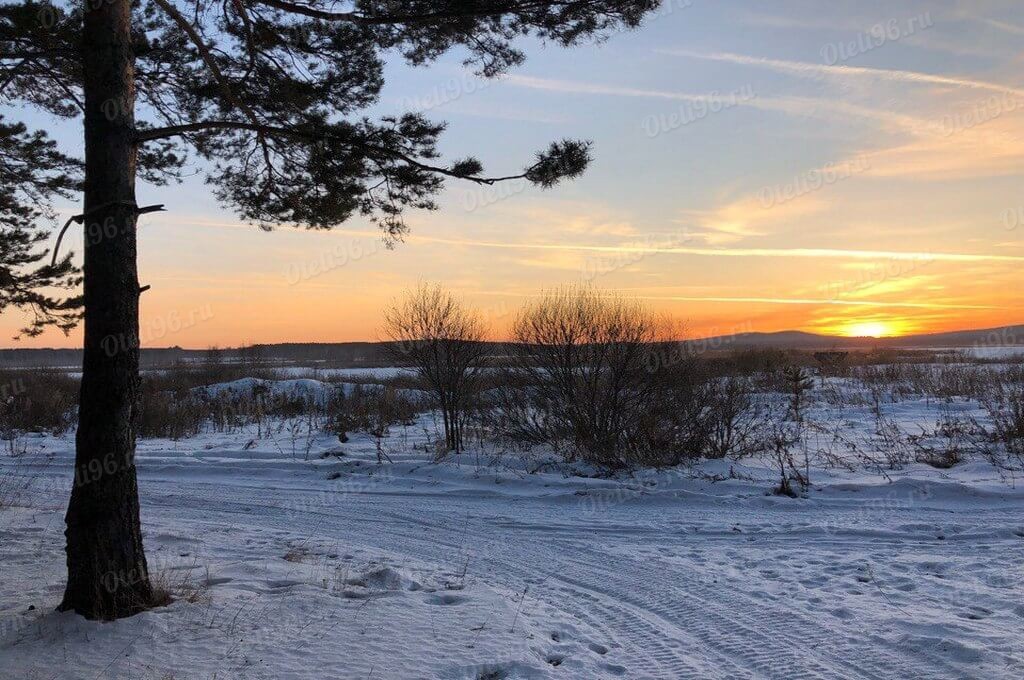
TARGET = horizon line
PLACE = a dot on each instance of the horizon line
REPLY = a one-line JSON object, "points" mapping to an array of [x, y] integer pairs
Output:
{"points": [[989, 329]]}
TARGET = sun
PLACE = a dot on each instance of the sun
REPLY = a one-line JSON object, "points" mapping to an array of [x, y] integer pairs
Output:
{"points": [[869, 329]]}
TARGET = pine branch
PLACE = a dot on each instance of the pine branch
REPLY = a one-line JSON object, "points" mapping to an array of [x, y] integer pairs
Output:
{"points": [[150, 134]]}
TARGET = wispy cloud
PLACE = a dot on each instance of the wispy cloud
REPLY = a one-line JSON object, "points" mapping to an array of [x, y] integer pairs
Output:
{"points": [[792, 105], [1005, 26], [803, 22], [980, 142], [959, 142], [748, 217], [772, 301], [898, 284], [731, 252], [813, 70], [814, 301], [828, 253]]}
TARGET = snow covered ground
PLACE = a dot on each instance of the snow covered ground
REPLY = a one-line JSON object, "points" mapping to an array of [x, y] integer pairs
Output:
{"points": [[382, 373], [994, 352], [482, 567]]}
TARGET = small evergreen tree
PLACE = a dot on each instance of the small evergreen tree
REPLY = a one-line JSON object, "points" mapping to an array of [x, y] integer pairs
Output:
{"points": [[798, 383]]}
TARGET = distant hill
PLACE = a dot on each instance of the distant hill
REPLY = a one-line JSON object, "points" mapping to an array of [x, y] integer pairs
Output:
{"points": [[989, 337], [358, 354]]}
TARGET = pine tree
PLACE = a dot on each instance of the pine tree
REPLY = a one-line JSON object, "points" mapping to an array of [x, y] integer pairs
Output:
{"points": [[269, 93], [32, 174]]}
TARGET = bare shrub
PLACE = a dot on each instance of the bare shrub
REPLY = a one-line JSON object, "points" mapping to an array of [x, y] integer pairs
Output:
{"points": [[170, 415], [582, 380], [675, 419], [892, 442], [758, 362], [954, 439], [36, 401], [940, 380], [1006, 413], [947, 445], [373, 411], [782, 455], [735, 421], [443, 342], [584, 358]]}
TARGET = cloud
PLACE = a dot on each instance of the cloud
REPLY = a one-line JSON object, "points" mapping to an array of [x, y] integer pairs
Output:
{"points": [[814, 301], [804, 23], [894, 285], [1004, 26], [825, 253], [962, 140], [979, 141], [792, 105], [812, 70], [775, 301], [652, 248], [748, 217]]}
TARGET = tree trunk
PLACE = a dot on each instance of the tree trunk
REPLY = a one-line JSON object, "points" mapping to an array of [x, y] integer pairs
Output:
{"points": [[107, 572]]}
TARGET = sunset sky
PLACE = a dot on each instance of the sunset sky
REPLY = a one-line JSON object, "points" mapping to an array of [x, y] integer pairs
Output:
{"points": [[850, 167]]}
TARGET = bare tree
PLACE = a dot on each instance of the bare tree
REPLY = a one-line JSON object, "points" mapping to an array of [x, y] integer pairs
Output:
{"points": [[443, 341]]}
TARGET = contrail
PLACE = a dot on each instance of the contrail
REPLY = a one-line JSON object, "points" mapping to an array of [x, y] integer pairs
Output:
{"points": [[793, 105], [776, 301], [811, 69], [811, 301], [1002, 25], [828, 253], [731, 252]]}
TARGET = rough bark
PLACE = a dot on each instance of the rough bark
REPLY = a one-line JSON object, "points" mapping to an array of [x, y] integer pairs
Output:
{"points": [[107, 572]]}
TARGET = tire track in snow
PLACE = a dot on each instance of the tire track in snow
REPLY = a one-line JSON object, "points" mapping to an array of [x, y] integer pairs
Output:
{"points": [[667, 622]]}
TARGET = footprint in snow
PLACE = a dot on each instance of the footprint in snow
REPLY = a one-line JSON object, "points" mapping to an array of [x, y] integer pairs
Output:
{"points": [[446, 599], [283, 584], [975, 613], [842, 613]]}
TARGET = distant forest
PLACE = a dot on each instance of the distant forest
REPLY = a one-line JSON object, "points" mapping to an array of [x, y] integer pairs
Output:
{"points": [[371, 354]]}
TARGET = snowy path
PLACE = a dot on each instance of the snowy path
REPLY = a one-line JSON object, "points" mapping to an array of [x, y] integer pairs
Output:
{"points": [[560, 578], [675, 591]]}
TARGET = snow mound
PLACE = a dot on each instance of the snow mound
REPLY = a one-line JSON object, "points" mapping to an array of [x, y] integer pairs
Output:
{"points": [[384, 579], [297, 388], [307, 389]]}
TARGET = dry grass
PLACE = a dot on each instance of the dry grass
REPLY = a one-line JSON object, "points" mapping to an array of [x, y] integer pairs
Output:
{"points": [[18, 475], [180, 585]]}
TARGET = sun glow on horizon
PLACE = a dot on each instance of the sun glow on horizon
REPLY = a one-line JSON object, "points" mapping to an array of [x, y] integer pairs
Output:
{"points": [[870, 329]]}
